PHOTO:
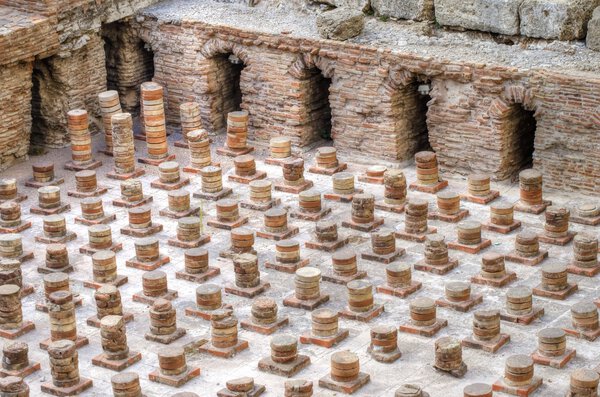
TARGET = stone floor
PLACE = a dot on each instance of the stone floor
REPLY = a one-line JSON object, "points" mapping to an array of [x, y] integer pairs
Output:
{"points": [[415, 366]]}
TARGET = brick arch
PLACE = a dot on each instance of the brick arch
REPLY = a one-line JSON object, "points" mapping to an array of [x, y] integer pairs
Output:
{"points": [[517, 144], [216, 47], [304, 63]]}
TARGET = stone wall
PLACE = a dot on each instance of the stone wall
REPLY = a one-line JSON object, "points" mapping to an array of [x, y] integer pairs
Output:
{"points": [[473, 117]]}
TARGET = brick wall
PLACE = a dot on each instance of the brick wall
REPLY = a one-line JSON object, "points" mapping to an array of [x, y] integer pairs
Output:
{"points": [[15, 111], [473, 117]]}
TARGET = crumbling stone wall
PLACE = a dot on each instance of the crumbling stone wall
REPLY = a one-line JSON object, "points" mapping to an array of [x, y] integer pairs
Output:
{"points": [[15, 111], [472, 118], [128, 63], [65, 83]]}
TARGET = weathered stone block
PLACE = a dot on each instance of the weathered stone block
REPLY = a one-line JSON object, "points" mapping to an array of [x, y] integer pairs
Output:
{"points": [[418, 10], [340, 24], [360, 5], [497, 16], [593, 33], [556, 19]]}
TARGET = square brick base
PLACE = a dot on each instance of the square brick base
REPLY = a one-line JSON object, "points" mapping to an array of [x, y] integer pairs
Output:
{"points": [[174, 380], [213, 196], [77, 166], [495, 282], [100, 190], [265, 329], [457, 373], [101, 360], [470, 249], [583, 271], [532, 209], [147, 266], [462, 306], [88, 250], [70, 236], [199, 277], [166, 339], [18, 199], [554, 362], [292, 231], [436, 269], [326, 342], [383, 206], [491, 346], [204, 238], [327, 246], [230, 253], [79, 342], [227, 225], [345, 387], [427, 331], [132, 204], [375, 180], [43, 269], [341, 198], [247, 179], [363, 317], [49, 211], [149, 300], [419, 238], [224, 352], [145, 232], [559, 295], [521, 391], [332, 277], [277, 161], [94, 321], [100, 221], [284, 369], [536, 312], [400, 292], [35, 184], [260, 206], [389, 258], [328, 171], [287, 267], [247, 292], [225, 151], [306, 304], [504, 229], [193, 211], [493, 195], [255, 392], [385, 357], [593, 221], [205, 314], [280, 186], [556, 240], [118, 281], [155, 162], [590, 335], [15, 229], [129, 175], [23, 372], [363, 227], [462, 214], [76, 390], [432, 189], [25, 327], [157, 184], [192, 170], [311, 216], [529, 261]]}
